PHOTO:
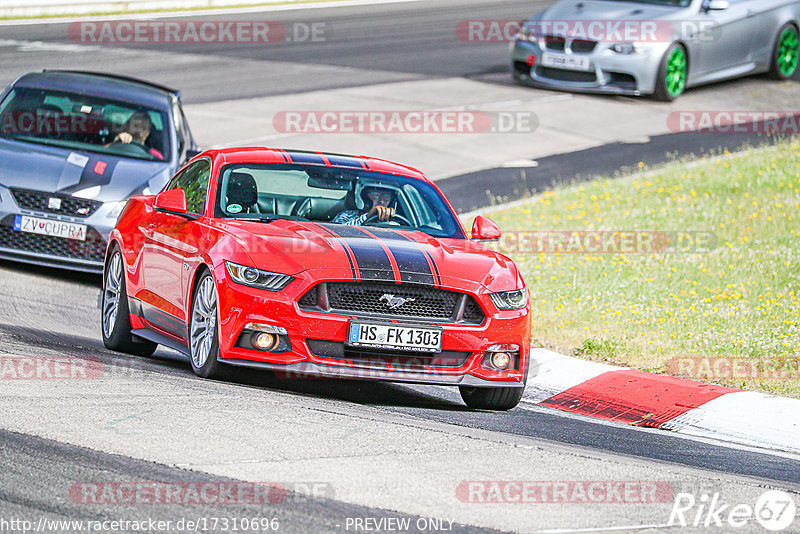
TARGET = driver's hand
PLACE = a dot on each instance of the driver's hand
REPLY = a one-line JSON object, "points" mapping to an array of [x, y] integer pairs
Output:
{"points": [[124, 137], [384, 213]]}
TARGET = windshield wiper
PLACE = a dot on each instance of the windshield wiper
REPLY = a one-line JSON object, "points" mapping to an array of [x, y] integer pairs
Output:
{"points": [[273, 218]]}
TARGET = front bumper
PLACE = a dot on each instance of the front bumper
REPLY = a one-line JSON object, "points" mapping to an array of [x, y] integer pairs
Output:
{"points": [[49, 251], [459, 363], [611, 73]]}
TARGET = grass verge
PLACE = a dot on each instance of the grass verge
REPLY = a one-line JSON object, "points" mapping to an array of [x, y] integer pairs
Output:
{"points": [[705, 279]]}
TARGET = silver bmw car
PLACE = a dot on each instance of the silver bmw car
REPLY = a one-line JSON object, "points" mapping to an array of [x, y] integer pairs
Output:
{"points": [[74, 146], [655, 47]]}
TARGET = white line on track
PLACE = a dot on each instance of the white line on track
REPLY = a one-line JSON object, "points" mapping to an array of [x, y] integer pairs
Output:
{"points": [[200, 12]]}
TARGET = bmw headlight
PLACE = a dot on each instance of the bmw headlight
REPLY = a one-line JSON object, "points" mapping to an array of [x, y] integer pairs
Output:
{"points": [[510, 300], [626, 49], [252, 277]]}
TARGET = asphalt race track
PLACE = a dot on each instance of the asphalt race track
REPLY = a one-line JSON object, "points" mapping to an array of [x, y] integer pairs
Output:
{"points": [[372, 450]]}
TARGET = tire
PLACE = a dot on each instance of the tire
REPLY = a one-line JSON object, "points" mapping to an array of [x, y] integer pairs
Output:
{"points": [[204, 329], [672, 74], [115, 319], [785, 53], [499, 399]]}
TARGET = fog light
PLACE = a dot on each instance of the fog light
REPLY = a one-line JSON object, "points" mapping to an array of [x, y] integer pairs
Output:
{"points": [[501, 360], [264, 341]]}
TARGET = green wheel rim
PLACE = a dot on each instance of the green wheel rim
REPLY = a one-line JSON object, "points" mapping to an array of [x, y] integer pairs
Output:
{"points": [[676, 72], [788, 52]]}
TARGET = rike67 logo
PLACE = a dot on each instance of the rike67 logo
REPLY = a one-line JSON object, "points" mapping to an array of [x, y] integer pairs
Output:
{"points": [[775, 511]]}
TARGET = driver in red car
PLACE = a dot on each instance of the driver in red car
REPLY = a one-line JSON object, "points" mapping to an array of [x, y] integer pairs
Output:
{"points": [[377, 201]]}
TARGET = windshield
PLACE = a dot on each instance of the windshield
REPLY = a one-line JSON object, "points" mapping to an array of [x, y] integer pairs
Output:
{"points": [[83, 122], [331, 195]]}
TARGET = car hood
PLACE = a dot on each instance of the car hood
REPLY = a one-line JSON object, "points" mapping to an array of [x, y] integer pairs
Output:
{"points": [[102, 177], [574, 10], [368, 253]]}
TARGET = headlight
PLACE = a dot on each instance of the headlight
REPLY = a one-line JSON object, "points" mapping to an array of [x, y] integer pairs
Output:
{"points": [[624, 48], [627, 49], [510, 300], [250, 276]]}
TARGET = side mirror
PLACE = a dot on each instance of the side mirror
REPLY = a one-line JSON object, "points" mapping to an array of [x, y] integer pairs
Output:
{"points": [[484, 229], [173, 201], [717, 5]]}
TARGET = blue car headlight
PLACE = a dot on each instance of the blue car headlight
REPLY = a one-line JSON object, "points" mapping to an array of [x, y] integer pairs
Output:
{"points": [[510, 300], [252, 277]]}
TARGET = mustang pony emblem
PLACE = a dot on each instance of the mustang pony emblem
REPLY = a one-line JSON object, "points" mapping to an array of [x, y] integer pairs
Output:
{"points": [[393, 302]]}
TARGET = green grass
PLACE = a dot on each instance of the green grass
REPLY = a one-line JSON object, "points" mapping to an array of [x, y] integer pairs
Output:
{"points": [[726, 309]]}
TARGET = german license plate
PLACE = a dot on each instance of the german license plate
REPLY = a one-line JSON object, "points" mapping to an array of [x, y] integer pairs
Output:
{"points": [[395, 337], [563, 61], [35, 225]]}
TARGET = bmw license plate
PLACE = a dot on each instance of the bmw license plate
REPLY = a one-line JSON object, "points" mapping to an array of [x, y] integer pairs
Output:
{"points": [[35, 225], [563, 61], [395, 337]]}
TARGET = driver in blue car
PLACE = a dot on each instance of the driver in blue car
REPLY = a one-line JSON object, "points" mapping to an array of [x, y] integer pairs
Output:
{"points": [[138, 128], [377, 202]]}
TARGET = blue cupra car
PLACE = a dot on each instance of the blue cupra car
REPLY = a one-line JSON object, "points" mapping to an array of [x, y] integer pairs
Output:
{"points": [[74, 146]]}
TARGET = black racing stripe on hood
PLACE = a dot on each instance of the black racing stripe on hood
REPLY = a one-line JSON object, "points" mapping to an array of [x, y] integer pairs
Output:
{"points": [[436, 279], [346, 248], [98, 171], [411, 260], [372, 260]]}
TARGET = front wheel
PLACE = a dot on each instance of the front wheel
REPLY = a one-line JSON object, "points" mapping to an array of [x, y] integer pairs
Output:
{"points": [[499, 399], [115, 319], [786, 54], [204, 330], [672, 74]]}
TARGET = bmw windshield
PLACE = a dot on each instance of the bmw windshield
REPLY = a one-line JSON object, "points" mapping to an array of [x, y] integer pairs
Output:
{"points": [[265, 192], [83, 122]]}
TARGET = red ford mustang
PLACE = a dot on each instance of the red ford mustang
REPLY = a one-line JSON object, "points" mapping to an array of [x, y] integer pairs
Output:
{"points": [[314, 264]]}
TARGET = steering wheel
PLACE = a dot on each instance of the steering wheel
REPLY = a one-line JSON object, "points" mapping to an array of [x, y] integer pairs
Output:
{"points": [[133, 144], [397, 217]]}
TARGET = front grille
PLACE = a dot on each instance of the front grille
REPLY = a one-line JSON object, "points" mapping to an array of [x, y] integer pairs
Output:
{"points": [[398, 360], [372, 298], [581, 46], [566, 75], [67, 205], [93, 249], [555, 42]]}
